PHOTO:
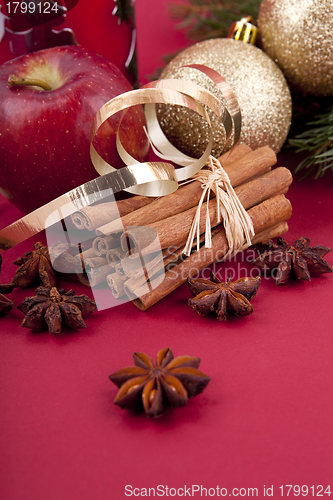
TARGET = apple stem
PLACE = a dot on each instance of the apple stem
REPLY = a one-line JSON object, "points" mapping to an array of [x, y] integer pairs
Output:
{"points": [[15, 80]]}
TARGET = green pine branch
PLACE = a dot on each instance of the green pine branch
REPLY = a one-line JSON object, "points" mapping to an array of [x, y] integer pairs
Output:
{"points": [[317, 141], [203, 19]]}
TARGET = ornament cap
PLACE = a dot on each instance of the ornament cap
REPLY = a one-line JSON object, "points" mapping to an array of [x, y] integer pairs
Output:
{"points": [[243, 30]]}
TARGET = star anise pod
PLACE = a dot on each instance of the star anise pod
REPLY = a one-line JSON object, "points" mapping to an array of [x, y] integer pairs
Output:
{"points": [[6, 304], [171, 381], [214, 296], [50, 307], [34, 265], [298, 259]]}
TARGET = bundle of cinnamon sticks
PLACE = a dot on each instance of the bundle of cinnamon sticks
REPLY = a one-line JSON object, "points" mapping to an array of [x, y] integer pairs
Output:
{"points": [[139, 242]]}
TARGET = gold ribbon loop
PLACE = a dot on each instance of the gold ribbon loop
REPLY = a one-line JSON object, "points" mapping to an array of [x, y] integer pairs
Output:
{"points": [[171, 92], [165, 93], [150, 178], [85, 195], [232, 103]]}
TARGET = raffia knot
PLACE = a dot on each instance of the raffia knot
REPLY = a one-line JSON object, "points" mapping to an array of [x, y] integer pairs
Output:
{"points": [[237, 223]]}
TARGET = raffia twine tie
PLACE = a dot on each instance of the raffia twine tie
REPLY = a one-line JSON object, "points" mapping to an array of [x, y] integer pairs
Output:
{"points": [[237, 223]]}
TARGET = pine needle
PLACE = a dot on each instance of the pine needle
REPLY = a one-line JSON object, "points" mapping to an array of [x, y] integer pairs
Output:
{"points": [[203, 19], [317, 140]]}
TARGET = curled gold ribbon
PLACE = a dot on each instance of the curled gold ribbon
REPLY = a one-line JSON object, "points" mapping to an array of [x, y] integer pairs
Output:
{"points": [[132, 98], [82, 196], [175, 92], [149, 178], [230, 118]]}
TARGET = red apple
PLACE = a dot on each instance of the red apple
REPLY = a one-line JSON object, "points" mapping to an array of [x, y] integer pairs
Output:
{"points": [[45, 134]]}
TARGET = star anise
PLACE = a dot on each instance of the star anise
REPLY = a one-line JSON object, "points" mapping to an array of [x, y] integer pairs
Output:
{"points": [[50, 307], [298, 259], [214, 296], [33, 265], [171, 381], [6, 304]]}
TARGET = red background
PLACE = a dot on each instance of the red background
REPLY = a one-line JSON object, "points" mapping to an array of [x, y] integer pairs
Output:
{"points": [[264, 419]]}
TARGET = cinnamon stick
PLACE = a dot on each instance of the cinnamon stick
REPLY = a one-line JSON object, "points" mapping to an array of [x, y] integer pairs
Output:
{"points": [[173, 231], [114, 255], [95, 261], [136, 287], [143, 239], [264, 216], [139, 268], [101, 245], [82, 257], [97, 274], [94, 216], [270, 233], [116, 283], [239, 166]]}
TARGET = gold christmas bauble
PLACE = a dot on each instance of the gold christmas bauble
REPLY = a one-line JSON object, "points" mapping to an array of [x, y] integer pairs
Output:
{"points": [[260, 87], [298, 36]]}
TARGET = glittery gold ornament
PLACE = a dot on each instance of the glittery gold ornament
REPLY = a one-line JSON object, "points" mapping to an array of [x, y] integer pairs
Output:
{"points": [[260, 87], [298, 36]]}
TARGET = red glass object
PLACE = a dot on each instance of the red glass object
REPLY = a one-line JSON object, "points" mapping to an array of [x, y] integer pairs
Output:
{"points": [[106, 28]]}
